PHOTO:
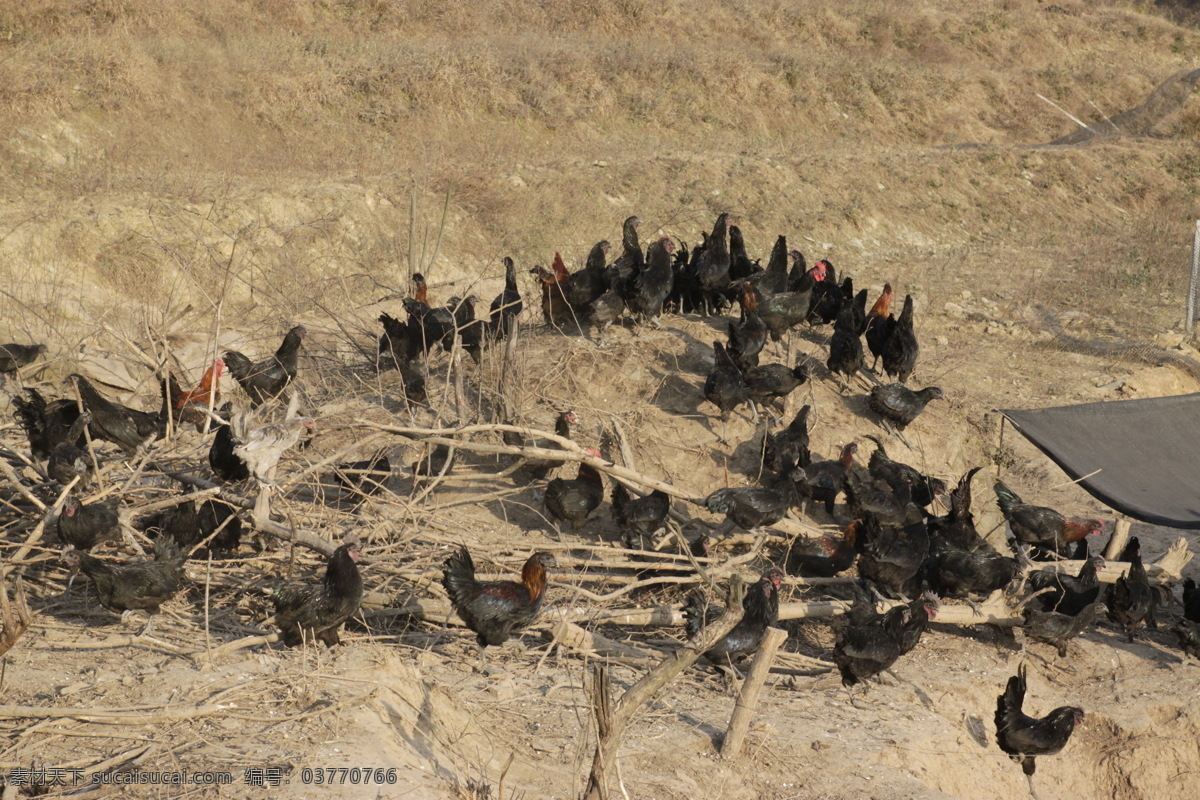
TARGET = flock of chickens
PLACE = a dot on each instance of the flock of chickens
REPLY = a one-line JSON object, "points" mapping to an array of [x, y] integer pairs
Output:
{"points": [[904, 551]]}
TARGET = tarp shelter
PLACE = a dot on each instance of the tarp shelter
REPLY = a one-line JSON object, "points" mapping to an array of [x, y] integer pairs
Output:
{"points": [[1145, 454]]}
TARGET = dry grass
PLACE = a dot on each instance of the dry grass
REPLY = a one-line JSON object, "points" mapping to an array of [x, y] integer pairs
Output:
{"points": [[296, 130]]}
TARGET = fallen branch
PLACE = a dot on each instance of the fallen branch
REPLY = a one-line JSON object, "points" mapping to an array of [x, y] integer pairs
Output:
{"points": [[573, 637], [267, 526], [571, 451], [1167, 569], [36, 534], [133, 715], [240, 644]]}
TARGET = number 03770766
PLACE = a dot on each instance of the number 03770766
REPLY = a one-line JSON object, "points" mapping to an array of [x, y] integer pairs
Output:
{"points": [[348, 775]]}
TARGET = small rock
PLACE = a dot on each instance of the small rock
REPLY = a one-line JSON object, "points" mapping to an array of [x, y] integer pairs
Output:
{"points": [[502, 690], [941, 341], [966, 294], [1170, 339], [955, 310]]}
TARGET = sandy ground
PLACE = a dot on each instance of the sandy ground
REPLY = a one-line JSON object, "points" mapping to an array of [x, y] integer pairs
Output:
{"points": [[409, 695]]}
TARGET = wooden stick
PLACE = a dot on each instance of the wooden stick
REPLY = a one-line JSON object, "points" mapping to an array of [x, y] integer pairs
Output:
{"points": [[613, 718], [570, 635], [747, 701], [11, 474], [1119, 537]]}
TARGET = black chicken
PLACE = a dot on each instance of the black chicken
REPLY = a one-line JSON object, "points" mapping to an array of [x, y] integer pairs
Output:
{"points": [[640, 516], [1059, 629], [308, 612], [86, 525], [1131, 599], [824, 557], [712, 266], [429, 327], [620, 273], [495, 610], [1023, 736], [47, 425], [895, 473], [900, 353], [1069, 594], [1191, 600], [957, 528], [747, 336], [845, 348], [68, 459], [899, 405], [772, 382], [740, 265], [469, 328], [760, 611], [725, 387], [866, 649], [1188, 633], [799, 268], [142, 585], [507, 306], [539, 468], [367, 477], [774, 279], [14, 356], [921, 611], [789, 448], [865, 497], [890, 558], [226, 466], [782, 311], [585, 285], [823, 481], [748, 507], [649, 287], [603, 312], [187, 526], [399, 344], [828, 296], [574, 500], [125, 427], [954, 572], [434, 462], [267, 378]]}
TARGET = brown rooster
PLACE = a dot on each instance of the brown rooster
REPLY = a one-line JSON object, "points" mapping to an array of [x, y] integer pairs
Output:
{"points": [[192, 406], [495, 610], [555, 307], [879, 325]]}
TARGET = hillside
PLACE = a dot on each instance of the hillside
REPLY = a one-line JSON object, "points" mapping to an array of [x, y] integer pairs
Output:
{"points": [[181, 179]]}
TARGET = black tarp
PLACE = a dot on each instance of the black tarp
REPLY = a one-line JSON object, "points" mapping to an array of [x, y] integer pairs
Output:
{"points": [[1147, 453]]}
